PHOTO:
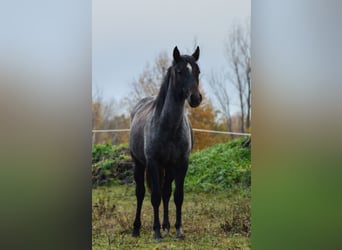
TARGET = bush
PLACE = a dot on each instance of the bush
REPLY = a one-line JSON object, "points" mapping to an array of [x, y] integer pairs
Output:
{"points": [[220, 167], [216, 168]]}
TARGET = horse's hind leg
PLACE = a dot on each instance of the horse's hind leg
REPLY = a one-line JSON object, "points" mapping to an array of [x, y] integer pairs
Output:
{"points": [[153, 177], [139, 174]]}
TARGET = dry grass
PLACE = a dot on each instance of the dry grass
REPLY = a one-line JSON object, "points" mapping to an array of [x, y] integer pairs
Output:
{"points": [[210, 221]]}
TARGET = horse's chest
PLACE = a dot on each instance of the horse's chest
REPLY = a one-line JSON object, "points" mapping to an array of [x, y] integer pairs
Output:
{"points": [[170, 151], [166, 144]]}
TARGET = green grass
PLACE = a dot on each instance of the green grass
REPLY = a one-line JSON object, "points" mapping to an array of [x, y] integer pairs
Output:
{"points": [[105, 152], [218, 220]]}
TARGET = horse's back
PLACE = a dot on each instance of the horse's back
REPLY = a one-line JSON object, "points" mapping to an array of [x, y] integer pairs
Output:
{"points": [[139, 114], [142, 105]]}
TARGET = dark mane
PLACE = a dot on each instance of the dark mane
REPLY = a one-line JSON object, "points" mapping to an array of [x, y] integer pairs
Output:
{"points": [[160, 99]]}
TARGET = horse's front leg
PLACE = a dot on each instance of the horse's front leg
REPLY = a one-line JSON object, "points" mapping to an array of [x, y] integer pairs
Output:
{"points": [[166, 194], [153, 177], [178, 199]]}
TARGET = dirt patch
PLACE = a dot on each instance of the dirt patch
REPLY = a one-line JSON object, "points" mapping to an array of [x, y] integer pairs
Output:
{"points": [[116, 166]]}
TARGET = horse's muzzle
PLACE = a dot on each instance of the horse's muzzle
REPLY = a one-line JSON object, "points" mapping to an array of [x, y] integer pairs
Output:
{"points": [[195, 100]]}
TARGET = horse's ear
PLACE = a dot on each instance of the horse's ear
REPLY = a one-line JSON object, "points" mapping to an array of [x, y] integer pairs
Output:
{"points": [[196, 53], [176, 54]]}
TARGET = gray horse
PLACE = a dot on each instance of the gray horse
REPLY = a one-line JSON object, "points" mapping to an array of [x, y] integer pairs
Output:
{"points": [[161, 140]]}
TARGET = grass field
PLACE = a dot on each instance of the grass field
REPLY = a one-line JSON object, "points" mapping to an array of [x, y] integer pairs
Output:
{"points": [[218, 220]]}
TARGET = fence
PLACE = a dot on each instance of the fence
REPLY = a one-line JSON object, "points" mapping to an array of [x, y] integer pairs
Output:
{"points": [[200, 141], [194, 129]]}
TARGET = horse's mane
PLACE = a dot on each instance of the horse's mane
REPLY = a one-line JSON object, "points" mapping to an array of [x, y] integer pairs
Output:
{"points": [[160, 99]]}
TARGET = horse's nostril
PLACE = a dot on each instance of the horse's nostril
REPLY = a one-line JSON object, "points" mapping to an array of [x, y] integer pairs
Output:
{"points": [[195, 99]]}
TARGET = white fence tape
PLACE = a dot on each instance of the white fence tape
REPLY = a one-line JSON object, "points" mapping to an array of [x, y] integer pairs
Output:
{"points": [[194, 129], [220, 132], [109, 130]]}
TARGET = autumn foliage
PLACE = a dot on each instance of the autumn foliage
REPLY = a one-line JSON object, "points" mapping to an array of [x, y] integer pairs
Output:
{"points": [[204, 117], [102, 120]]}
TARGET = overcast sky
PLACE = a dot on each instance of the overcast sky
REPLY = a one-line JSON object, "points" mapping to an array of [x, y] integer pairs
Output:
{"points": [[129, 34]]}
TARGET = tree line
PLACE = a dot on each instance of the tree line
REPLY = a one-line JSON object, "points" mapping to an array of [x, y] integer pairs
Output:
{"points": [[230, 87]]}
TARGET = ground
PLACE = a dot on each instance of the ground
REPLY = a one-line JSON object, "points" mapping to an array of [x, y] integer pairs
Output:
{"points": [[218, 220]]}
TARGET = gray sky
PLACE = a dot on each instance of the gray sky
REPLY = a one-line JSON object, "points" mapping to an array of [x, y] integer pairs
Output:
{"points": [[129, 34]]}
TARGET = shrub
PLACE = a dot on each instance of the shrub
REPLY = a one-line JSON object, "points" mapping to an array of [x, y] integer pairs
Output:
{"points": [[220, 167], [216, 168]]}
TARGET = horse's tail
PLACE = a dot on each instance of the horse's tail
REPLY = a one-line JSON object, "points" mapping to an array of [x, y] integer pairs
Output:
{"points": [[147, 182], [161, 178]]}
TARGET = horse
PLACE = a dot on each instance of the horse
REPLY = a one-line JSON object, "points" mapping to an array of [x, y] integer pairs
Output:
{"points": [[161, 140]]}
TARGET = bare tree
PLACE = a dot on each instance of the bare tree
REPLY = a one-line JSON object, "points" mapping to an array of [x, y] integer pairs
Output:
{"points": [[104, 116], [237, 52], [96, 110], [149, 81], [220, 90]]}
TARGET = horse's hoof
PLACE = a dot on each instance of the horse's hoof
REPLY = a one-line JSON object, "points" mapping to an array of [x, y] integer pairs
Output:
{"points": [[157, 236], [179, 234], [135, 233]]}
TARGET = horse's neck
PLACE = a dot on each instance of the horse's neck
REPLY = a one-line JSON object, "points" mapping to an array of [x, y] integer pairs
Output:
{"points": [[172, 113]]}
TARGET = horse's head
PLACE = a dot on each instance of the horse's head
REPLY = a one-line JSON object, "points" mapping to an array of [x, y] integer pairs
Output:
{"points": [[186, 73]]}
